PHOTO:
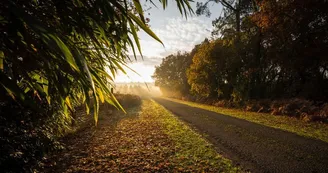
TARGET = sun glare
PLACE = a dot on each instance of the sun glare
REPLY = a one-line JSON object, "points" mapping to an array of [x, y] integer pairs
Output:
{"points": [[138, 72]]}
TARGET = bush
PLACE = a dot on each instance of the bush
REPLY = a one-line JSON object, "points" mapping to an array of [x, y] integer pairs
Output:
{"points": [[264, 106], [276, 107], [296, 107], [323, 114], [188, 98], [220, 103], [27, 135], [128, 100], [253, 106], [300, 108]]}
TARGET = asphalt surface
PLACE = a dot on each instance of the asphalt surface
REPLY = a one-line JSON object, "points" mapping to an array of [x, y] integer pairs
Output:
{"points": [[254, 147]]}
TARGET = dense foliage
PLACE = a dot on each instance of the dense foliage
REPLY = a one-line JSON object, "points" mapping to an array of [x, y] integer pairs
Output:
{"points": [[64, 51], [55, 55], [171, 75], [263, 49]]}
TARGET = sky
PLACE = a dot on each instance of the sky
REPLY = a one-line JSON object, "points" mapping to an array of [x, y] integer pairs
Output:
{"points": [[175, 31]]}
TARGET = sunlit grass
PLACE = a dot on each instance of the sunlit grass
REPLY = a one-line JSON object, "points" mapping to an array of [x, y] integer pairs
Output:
{"points": [[315, 130]]}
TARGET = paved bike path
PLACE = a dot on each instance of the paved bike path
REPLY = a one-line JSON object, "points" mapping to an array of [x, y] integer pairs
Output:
{"points": [[255, 147]]}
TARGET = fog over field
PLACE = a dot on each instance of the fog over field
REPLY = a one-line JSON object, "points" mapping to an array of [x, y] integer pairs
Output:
{"points": [[144, 90]]}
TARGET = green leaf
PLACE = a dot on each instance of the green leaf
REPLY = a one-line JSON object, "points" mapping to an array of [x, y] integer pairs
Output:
{"points": [[133, 49], [138, 7], [135, 36], [118, 66], [144, 27], [11, 87], [64, 49], [102, 72]]}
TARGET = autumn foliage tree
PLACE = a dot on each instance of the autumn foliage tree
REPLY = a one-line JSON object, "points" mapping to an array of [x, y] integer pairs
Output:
{"points": [[208, 74], [295, 39], [263, 49], [171, 77]]}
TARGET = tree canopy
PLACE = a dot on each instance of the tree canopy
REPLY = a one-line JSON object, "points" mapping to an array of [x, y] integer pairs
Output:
{"points": [[264, 49], [171, 74]]}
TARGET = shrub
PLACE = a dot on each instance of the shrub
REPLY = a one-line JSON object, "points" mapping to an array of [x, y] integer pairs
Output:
{"points": [[300, 108], [27, 135], [277, 107], [220, 103], [323, 114], [264, 106], [128, 100], [252, 106], [296, 107]]}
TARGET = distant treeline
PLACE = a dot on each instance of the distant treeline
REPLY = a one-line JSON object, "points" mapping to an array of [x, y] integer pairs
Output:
{"points": [[144, 90], [264, 49]]}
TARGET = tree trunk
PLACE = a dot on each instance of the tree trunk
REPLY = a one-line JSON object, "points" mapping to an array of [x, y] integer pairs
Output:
{"points": [[238, 20]]}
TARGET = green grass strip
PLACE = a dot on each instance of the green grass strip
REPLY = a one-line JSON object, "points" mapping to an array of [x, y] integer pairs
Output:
{"points": [[316, 130]]}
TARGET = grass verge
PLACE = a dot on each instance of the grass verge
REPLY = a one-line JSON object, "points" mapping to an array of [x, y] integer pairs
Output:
{"points": [[315, 130], [192, 152]]}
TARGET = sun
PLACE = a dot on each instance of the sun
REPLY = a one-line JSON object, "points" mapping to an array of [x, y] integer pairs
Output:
{"points": [[142, 73]]}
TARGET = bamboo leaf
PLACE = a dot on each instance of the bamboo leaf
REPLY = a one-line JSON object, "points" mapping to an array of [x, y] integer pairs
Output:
{"points": [[11, 87], [96, 108], [133, 49], [101, 96], [138, 7], [2, 57], [135, 36], [144, 27], [64, 49], [68, 103]]}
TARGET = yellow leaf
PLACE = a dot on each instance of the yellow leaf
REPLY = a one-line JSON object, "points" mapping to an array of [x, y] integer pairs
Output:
{"points": [[2, 57], [101, 95], [68, 102]]}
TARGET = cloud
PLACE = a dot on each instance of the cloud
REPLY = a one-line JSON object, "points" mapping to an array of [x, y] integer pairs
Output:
{"points": [[146, 60], [177, 34]]}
